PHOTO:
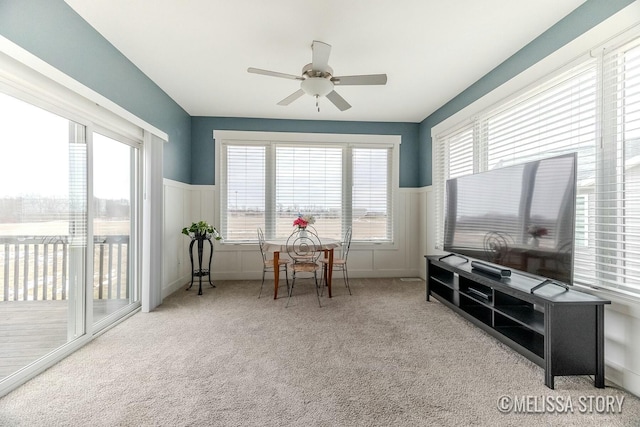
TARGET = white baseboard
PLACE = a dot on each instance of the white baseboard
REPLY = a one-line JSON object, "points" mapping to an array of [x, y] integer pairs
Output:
{"points": [[257, 275], [175, 285], [357, 274]]}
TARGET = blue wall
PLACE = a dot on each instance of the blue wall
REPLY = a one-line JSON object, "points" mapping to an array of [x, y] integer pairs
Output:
{"points": [[573, 25], [203, 154], [55, 33]]}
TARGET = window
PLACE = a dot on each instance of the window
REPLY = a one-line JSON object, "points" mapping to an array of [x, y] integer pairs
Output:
{"points": [[244, 198], [341, 182], [308, 180], [592, 109], [370, 201]]}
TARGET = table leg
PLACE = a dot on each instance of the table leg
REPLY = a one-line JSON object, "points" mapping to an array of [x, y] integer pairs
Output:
{"points": [[276, 273]]}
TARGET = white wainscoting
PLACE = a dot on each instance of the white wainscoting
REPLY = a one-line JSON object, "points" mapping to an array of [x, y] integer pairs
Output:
{"points": [[185, 203], [427, 226], [622, 341]]}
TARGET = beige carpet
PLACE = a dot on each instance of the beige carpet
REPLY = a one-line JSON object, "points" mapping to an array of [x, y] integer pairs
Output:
{"points": [[381, 357]]}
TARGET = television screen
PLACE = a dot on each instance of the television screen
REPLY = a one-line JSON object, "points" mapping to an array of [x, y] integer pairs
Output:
{"points": [[521, 217]]}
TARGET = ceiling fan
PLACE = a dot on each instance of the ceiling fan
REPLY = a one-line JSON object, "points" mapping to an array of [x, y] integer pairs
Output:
{"points": [[317, 78]]}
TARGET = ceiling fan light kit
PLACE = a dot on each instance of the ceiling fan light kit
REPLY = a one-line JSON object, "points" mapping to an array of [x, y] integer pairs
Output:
{"points": [[317, 78], [316, 86]]}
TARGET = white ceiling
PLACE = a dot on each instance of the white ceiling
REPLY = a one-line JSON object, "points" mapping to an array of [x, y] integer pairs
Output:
{"points": [[198, 51]]}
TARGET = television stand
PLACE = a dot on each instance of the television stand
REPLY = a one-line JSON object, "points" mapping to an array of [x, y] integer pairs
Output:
{"points": [[558, 328]]}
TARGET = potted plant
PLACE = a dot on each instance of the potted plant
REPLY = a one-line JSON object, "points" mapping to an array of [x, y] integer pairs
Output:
{"points": [[201, 229]]}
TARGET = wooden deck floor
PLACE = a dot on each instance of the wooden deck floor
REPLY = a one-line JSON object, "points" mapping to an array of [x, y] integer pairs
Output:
{"points": [[31, 329]]}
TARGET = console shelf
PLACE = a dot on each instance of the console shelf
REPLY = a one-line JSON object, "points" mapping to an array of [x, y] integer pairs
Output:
{"points": [[526, 317], [560, 330]]}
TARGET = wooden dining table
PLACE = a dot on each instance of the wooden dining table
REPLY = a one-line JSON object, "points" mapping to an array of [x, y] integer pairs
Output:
{"points": [[280, 245]]}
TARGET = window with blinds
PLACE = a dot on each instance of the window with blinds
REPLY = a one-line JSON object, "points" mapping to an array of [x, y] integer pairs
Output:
{"points": [[592, 109], [453, 158], [370, 201], [267, 185], [308, 182], [244, 200]]}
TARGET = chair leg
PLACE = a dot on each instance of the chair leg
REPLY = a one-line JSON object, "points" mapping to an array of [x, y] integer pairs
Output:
{"points": [[315, 278], [325, 276], [261, 285], [286, 275], [345, 275], [293, 281]]}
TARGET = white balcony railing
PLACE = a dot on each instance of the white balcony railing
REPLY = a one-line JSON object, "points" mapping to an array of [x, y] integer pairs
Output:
{"points": [[36, 268]]}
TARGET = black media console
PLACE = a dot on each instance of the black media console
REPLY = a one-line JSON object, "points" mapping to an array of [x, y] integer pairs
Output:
{"points": [[561, 330]]}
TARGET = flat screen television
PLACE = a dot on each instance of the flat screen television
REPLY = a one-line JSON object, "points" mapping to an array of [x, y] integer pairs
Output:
{"points": [[521, 217]]}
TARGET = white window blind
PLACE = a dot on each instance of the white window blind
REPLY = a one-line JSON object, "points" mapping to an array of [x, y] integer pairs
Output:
{"points": [[592, 109], [558, 117], [453, 158], [370, 201], [244, 192], [309, 182], [616, 216], [268, 184]]}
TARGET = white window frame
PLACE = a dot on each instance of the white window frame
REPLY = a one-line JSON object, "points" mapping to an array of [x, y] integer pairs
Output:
{"points": [[342, 140]]}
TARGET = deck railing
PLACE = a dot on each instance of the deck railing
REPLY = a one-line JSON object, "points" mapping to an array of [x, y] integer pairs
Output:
{"points": [[34, 268]]}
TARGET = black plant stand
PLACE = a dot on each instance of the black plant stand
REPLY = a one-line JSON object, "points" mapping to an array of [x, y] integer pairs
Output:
{"points": [[199, 272]]}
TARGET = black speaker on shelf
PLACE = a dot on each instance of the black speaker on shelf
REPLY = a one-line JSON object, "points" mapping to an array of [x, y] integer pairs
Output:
{"points": [[491, 269]]}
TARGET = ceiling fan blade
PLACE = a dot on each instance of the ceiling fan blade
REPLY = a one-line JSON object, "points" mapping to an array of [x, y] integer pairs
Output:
{"points": [[320, 56], [274, 74], [338, 101], [370, 79], [289, 99]]}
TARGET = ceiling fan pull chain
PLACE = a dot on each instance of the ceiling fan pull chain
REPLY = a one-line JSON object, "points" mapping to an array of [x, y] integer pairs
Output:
{"points": [[317, 106]]}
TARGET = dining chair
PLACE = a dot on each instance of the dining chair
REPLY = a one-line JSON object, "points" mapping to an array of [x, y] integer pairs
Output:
{"points": [[304, 249], [303, 232], [267, 264], [339, 263]]}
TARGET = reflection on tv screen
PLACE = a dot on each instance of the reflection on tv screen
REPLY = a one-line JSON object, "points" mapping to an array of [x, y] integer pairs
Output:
{"points": [[521, 217]]}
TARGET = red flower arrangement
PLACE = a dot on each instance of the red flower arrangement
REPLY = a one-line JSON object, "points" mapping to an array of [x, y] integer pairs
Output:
{"points": [[536, 231], [303, 221]]}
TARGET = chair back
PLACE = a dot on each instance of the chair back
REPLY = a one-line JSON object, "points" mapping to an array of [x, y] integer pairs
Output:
{"points": [[304, 246], [346, 244], [496, 245], [261, 244]]}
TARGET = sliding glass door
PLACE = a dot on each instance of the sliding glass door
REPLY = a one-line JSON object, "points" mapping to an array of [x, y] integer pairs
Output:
{"points": [[43, 232], [115, 272], [67, 267]]}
